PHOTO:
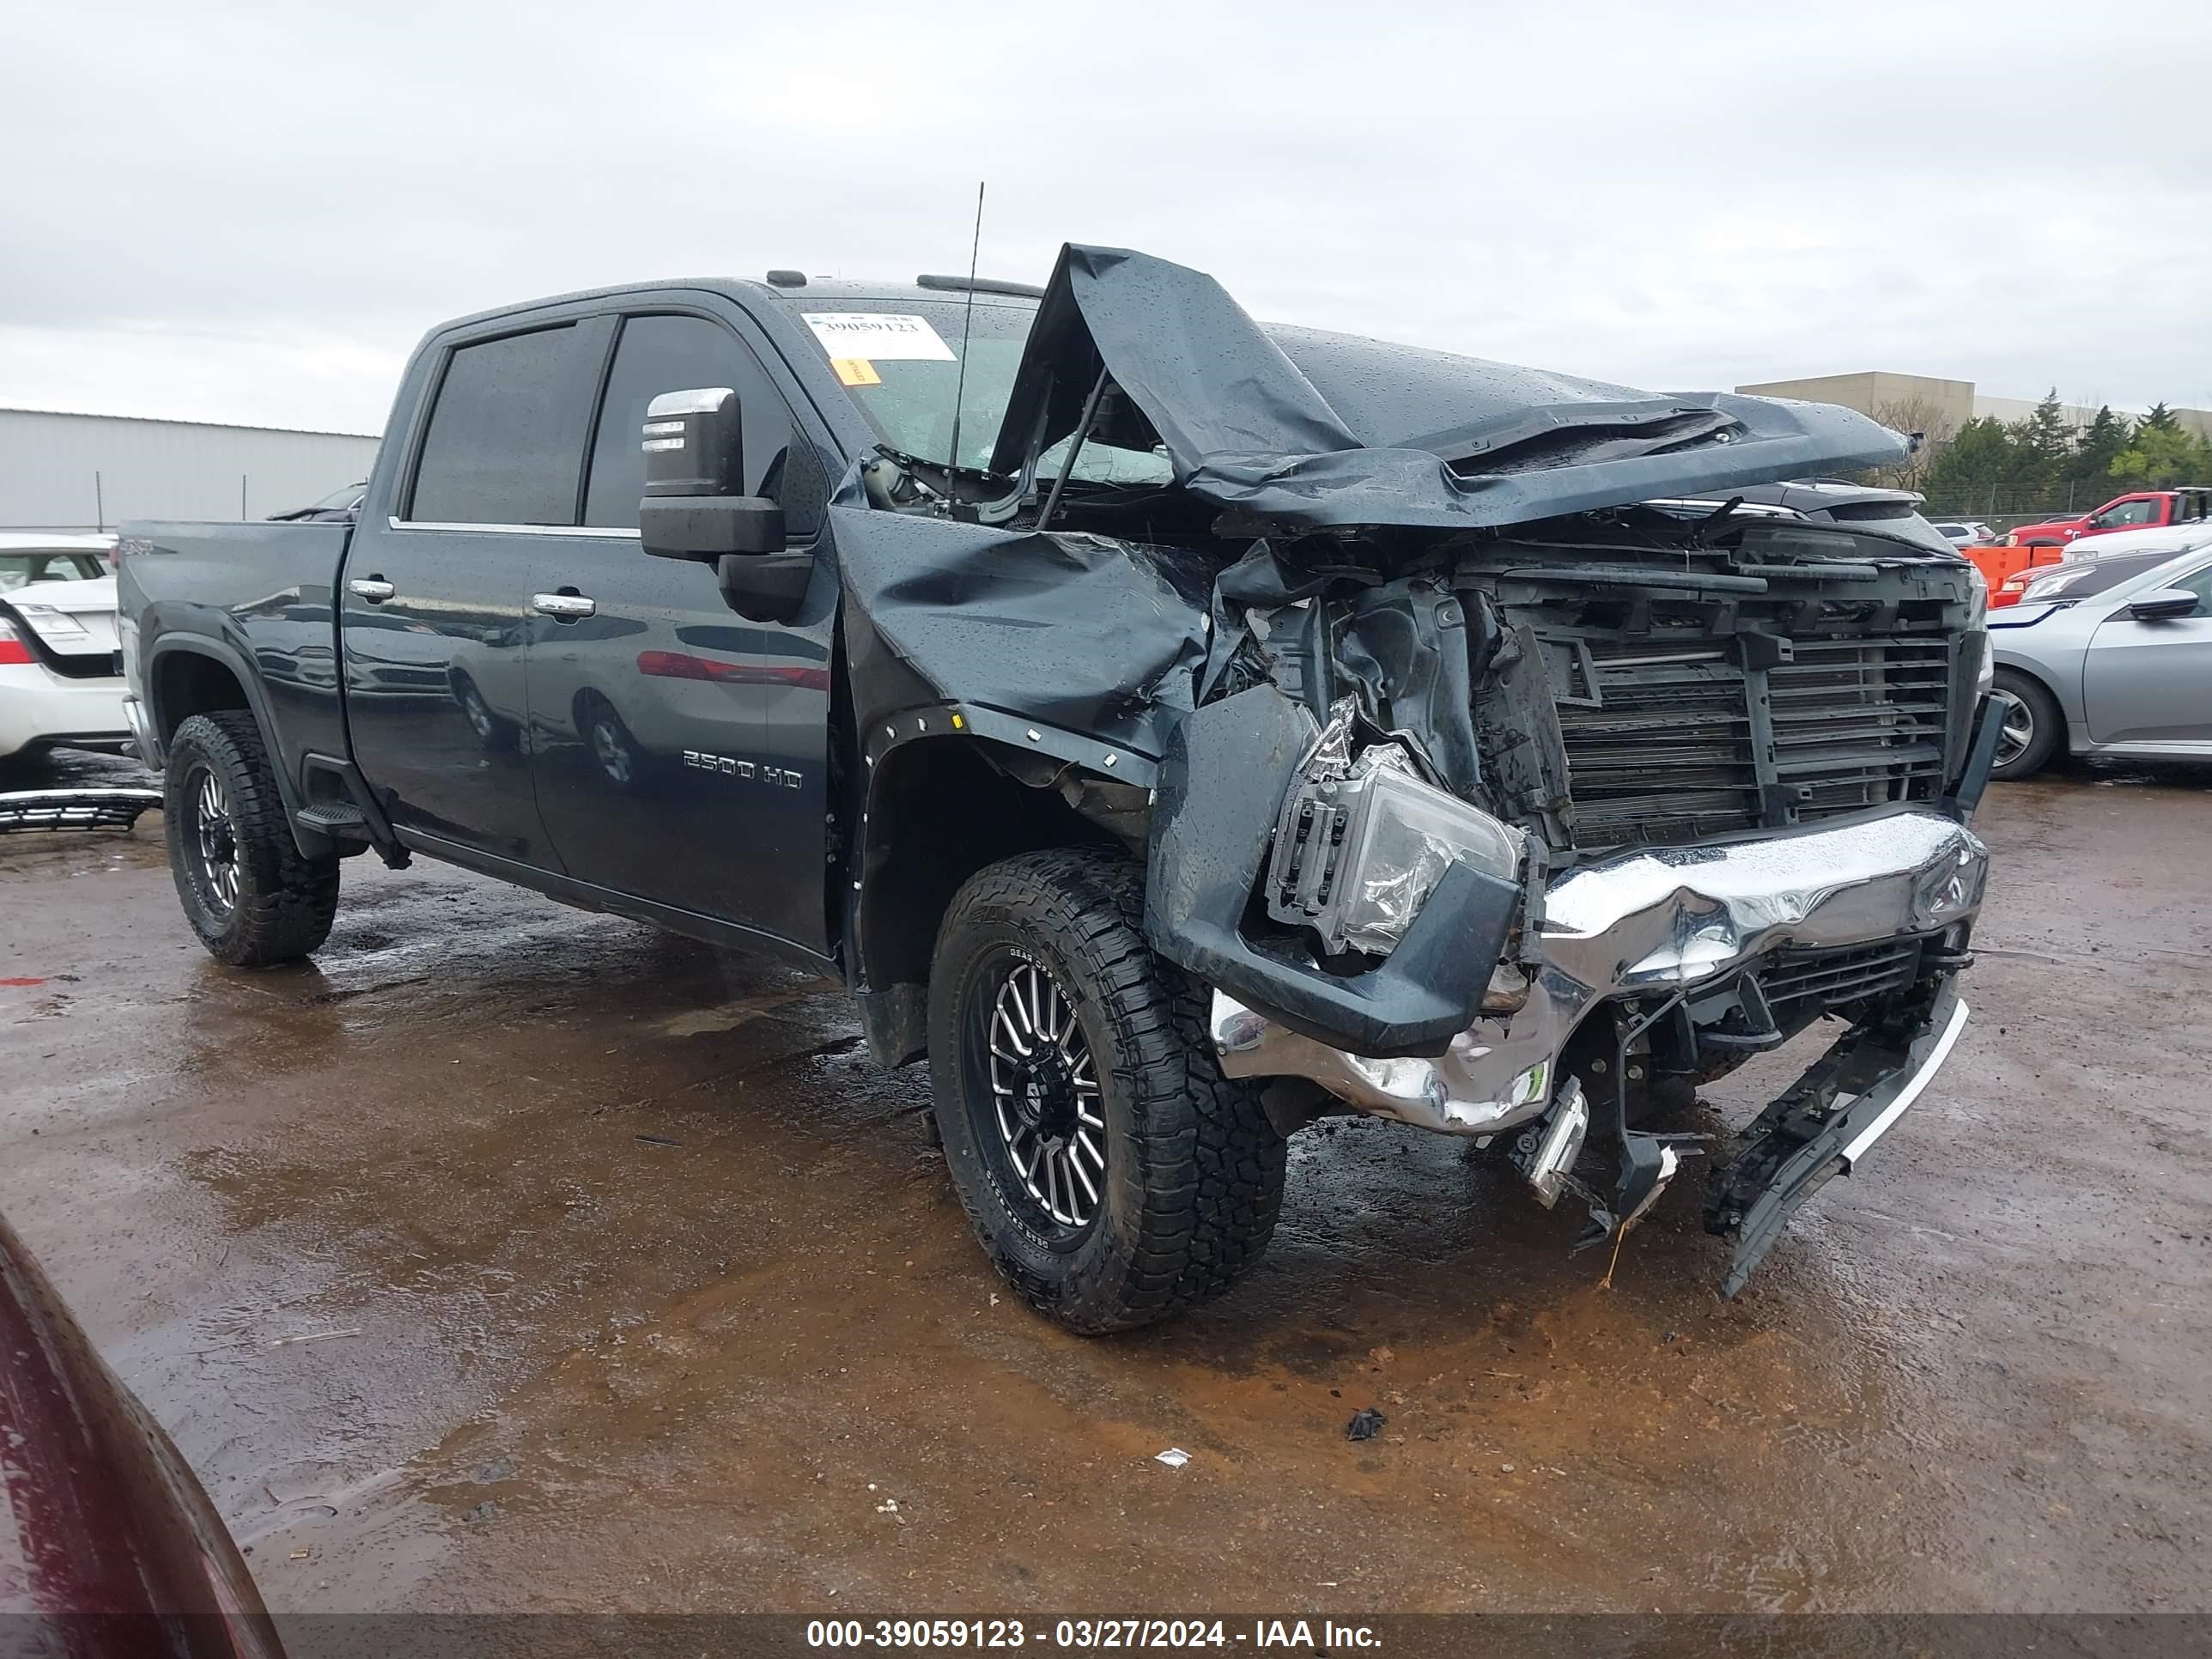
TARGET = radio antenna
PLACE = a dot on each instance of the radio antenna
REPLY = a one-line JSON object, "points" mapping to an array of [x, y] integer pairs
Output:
{"points": [[967, 323]]}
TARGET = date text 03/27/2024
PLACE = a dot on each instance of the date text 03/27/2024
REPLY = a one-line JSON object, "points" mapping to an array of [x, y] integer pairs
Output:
{"points": [[1086, 1635]]}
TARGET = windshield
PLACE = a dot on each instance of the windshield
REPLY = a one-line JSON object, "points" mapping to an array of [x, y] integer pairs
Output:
{"points": [[905, 380], [22, 570]]}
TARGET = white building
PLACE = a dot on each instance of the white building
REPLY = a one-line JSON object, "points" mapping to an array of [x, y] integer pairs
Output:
{"points": [[1921, 403], [91, 472]]}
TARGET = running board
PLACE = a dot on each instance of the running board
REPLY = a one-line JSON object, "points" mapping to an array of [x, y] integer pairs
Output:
{"points": [[335, 818]]}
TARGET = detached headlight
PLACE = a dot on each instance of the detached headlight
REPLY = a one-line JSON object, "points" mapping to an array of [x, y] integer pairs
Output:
{"points": [[1361, 845]]}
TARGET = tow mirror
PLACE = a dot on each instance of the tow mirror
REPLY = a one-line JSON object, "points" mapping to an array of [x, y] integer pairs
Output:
{"points": [[695, 465], [2164, 604]]}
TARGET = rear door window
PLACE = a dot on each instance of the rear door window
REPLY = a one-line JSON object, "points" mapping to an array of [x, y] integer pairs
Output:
{"points": [[506, 438], [658, 354]]}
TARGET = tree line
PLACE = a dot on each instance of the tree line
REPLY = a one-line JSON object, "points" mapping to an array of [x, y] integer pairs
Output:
{"points": [[2044, 460]]}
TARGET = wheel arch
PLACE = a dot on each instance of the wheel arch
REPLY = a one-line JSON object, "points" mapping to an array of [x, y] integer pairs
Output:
{"points": [[939, 809], [188, 675]]}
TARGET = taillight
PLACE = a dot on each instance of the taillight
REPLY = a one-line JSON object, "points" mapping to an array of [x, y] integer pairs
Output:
{"points": [[13, 651]]}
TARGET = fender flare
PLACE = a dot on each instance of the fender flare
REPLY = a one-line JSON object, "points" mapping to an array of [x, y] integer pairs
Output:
{"points": [[310, 843]]}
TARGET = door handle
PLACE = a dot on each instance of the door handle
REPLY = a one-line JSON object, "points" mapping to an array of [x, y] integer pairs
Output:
{"points": [[563, 607], [374, 589]]}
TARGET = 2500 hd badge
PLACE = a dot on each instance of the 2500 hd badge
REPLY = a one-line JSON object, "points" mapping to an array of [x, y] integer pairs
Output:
{"points": [[776, 777]]}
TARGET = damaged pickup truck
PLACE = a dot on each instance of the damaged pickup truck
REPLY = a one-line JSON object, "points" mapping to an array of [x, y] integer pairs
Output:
{"points": [[1176, 729]]}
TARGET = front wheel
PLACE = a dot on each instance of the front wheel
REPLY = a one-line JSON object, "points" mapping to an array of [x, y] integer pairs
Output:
{"points": [[2032, 727], [248, 892], [1113, 1175]]}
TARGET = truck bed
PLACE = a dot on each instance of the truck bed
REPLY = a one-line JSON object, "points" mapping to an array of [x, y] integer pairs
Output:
{"points": [[258, 597]]}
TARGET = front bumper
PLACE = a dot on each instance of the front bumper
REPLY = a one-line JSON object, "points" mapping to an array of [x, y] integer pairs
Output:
{"points": [[1824, 1123], [1649, 922]]}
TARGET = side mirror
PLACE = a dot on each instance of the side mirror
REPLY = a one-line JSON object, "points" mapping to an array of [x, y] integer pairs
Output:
{"points": [[2163, 605], [694, 443]]}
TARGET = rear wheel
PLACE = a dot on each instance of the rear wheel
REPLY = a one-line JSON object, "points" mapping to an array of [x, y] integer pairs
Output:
{"points": [[2032, 729], [249, 893], [1113, 1175]]}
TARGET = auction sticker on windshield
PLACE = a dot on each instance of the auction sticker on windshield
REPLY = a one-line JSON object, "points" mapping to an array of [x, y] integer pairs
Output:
{"points": [[877, 337]]}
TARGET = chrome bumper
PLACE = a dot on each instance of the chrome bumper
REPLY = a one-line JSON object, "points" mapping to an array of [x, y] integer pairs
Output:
{"points": [[1655, 920]]}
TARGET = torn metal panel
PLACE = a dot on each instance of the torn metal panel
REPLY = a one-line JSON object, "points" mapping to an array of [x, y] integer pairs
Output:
{"points": [[1093, 636], [1299, 428], [1206, 378]]}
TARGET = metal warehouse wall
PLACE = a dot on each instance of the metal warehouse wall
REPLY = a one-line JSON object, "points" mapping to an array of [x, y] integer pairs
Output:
{"points": [[88, 471]]}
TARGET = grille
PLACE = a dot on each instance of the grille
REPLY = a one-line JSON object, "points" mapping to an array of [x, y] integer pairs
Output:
{"points": [[1667, 754], [1681, 741], [1859, 722], [1836, 977]]}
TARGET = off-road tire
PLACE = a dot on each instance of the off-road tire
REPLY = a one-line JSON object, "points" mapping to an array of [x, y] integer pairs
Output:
{"points": [[2047, 725], [1194, 1171], [284, 901]]}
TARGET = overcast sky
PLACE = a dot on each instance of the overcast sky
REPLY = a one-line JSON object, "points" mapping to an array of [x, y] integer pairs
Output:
{"points": [[243, 212]]}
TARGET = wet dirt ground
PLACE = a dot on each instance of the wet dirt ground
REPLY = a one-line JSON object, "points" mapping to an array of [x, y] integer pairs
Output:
{"points": [[511, 1258]]}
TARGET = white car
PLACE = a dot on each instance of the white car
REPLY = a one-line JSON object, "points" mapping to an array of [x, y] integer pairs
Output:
{"points": [[1965, 533], [60, 683], [2176, 538]]}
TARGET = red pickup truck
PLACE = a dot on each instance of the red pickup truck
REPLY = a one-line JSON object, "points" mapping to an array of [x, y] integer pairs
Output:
{"points": [[2028, 545], [2143, 510]]}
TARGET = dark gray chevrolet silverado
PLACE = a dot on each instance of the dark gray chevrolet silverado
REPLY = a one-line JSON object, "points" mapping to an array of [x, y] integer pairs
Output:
{"points": [[1177, 728]]}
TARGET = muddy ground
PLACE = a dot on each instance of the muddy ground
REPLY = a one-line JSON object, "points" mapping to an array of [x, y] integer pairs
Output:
{"points": [[512, 1258]]}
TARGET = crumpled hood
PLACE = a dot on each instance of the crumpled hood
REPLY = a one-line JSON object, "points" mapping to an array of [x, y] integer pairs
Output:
{"points": [[1301, 428]]}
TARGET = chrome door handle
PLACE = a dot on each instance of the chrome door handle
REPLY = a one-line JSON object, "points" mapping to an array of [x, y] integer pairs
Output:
{"points": [[372, 588], [565, 606]]}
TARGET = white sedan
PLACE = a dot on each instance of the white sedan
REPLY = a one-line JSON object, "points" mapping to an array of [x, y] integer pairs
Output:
{"points": [[60, 680]]}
